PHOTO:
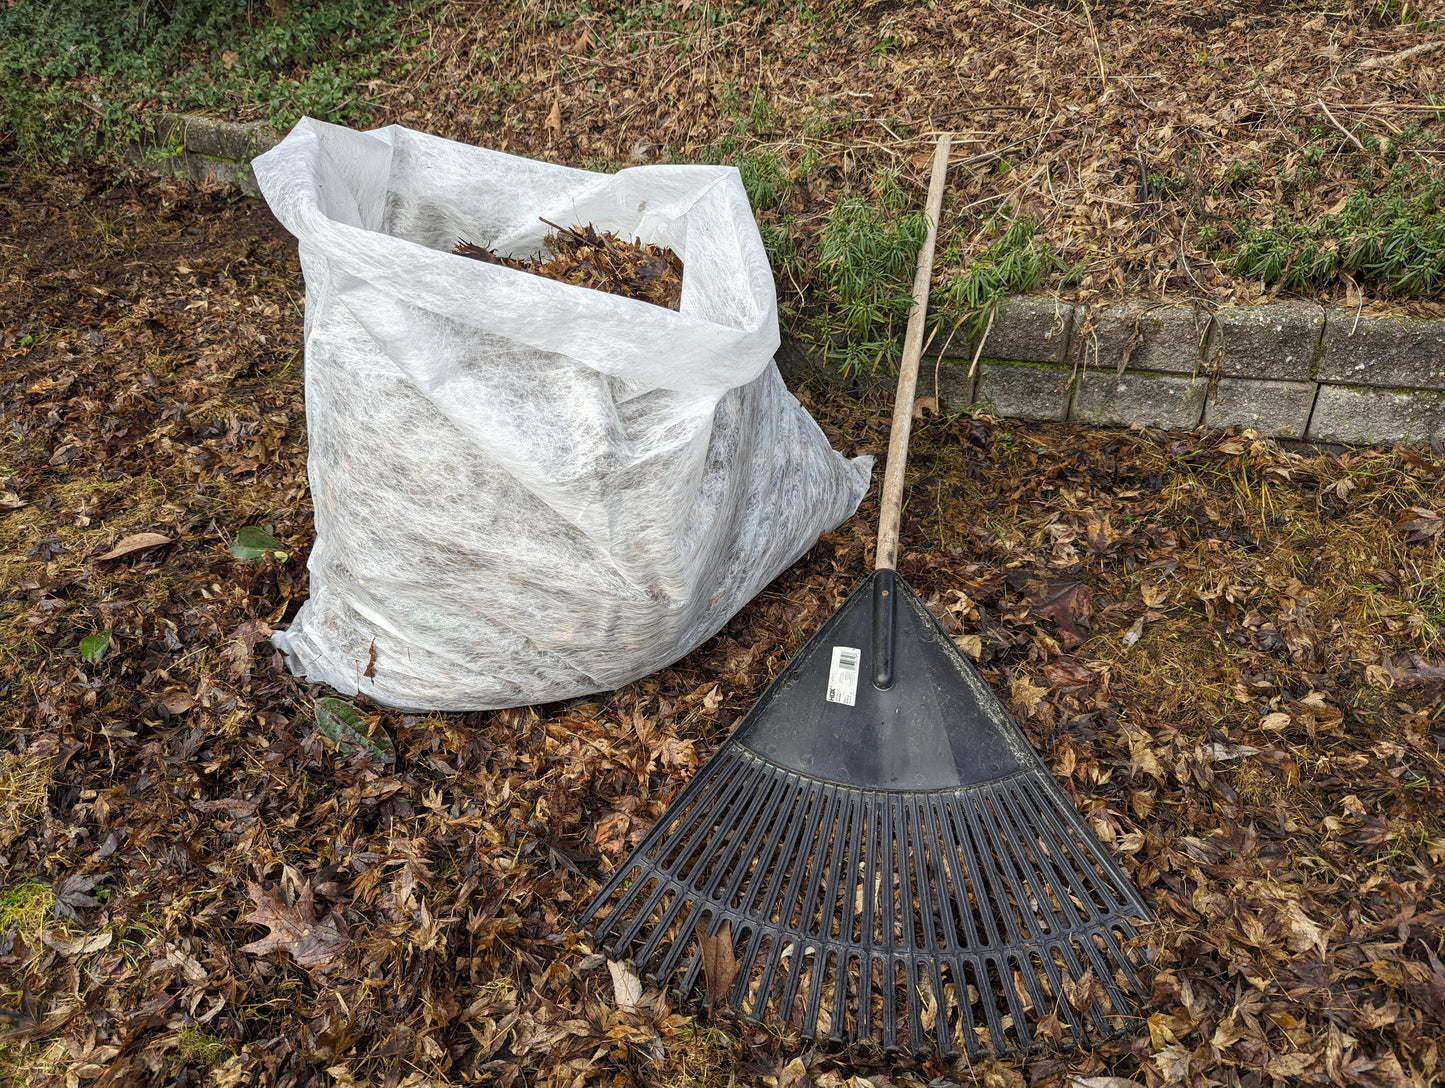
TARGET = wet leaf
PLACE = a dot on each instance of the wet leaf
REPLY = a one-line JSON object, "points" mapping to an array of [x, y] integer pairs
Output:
{"points": [[340, 723], [294, 930], [95, 647], [254, 542], [719, 961]]}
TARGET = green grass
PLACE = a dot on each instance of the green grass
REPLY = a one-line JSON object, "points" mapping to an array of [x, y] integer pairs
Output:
{"points": [[198, 1046], [25, 907], [77, 76], [1013, 264]]}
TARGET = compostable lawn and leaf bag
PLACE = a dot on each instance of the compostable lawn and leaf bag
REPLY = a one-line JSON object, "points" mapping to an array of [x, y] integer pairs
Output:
{"points": [[527, 490]]}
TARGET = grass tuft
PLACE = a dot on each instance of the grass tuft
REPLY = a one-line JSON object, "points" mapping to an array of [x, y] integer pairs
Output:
{"points": [[24, 907], [24, 786], [866, 255], [201, 1047]]}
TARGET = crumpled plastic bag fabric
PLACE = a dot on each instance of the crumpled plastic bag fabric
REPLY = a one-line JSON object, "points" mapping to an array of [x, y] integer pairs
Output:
{"points": [[526, 490]]}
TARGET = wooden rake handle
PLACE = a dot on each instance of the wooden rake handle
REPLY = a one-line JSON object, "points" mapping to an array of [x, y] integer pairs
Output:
{"points": [[891, 513]]}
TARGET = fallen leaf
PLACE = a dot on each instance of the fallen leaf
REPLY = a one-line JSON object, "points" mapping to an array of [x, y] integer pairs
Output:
{"points": [[138, 542], [71, 897], [94, 647], [1173, 1063], [1425, 524], [242, 645], [924, 406], [553, 124], [719, 961], [1063, 600], [255, 542], [176, 702], [611, 833], [972, 645], [1026, 695], [1082, 992], [294, 929], [626, 986], [1068, 675], [92, 942]]}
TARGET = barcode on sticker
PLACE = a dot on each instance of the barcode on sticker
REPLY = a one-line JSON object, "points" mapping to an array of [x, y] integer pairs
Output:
{"points": [[843, 675]]}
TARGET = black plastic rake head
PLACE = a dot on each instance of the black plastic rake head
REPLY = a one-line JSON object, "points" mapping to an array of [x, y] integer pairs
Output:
{"points": [[891, 855]]}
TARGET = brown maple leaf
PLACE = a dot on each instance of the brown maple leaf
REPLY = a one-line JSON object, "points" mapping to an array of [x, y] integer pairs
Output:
{"points": [[294, 929], [1062, 600]]}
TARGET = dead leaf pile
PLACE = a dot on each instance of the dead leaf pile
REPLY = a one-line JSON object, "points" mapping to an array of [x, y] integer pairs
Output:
{"points": [[600, 260]]}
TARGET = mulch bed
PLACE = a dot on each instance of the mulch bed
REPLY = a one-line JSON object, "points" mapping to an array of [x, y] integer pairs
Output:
{"points": [[1226, 651]]}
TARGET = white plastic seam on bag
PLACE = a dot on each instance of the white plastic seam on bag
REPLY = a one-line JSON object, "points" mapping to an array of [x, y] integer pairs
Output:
{"points": [[526, 490]]}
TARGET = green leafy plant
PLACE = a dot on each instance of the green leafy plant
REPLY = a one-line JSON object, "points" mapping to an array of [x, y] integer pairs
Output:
{"points": [[95, 647], [866, 254], [1013, 264], [763, 178], [1393, 237], [77, 75]]}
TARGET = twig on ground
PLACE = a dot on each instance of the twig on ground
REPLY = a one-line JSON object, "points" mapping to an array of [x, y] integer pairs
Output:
{"points": [[1098, 51], [1403, 54], [1348, 134], [982, 340]]}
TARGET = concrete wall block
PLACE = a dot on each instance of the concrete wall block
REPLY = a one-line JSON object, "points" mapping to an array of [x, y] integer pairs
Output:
{"points": [[1026, 329], [1154, 400], [1158, 338], [214, 139], [1360, 414], [955, 388], [1277, 341], [1279, 409], [1391, 352], [1024, 390]]}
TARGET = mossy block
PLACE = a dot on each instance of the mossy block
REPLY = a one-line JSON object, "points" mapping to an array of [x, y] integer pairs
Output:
{"points": [[1277, 409], [1386, 352], [1276, 342], [1028, 329], [1153, 400], [1022, 390], [1362, 414], [1166, 339], [953, 384]]}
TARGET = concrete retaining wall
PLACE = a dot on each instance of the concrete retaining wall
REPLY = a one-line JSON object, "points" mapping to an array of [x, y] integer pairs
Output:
{"points": [[201, 148], [1286, 369]]}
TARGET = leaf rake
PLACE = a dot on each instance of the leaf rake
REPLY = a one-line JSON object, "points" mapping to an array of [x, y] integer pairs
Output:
{"points": [[878, 845]]}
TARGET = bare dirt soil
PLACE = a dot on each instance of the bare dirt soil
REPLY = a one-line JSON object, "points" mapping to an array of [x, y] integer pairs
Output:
{"points": [[1227, 652]]}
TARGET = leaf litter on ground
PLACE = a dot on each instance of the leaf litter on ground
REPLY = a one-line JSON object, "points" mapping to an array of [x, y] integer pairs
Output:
{"points": [[1262, 751]]}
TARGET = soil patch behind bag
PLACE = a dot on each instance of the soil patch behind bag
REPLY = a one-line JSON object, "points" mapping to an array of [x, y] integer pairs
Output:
{"points": [[527, 490]]}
